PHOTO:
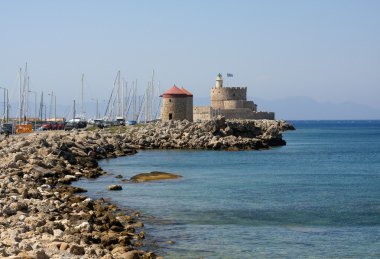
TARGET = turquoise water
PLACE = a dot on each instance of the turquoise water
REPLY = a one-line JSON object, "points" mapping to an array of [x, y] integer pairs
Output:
{"points": [[317, 197]]}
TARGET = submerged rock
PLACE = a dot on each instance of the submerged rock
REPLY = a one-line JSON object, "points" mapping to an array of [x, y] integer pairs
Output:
{"points": [[154, 176], [115, 187]]}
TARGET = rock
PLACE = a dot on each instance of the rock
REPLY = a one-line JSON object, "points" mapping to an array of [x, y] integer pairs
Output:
{"points": [[77, 250], [131, 255], [64, 246], [57, 233], [41, 255], [18, 156], [153, 176], [115, 187]]}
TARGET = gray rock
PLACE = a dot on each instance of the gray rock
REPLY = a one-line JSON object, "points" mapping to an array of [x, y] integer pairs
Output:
{"points": [[77, 250], [115, 187]]}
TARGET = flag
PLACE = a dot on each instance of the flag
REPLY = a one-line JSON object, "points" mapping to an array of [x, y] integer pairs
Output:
{"points": [[230, 75]]}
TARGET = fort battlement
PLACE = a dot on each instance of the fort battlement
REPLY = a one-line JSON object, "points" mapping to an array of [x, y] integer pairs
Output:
{"points": [[230, 102], [231, 88]]}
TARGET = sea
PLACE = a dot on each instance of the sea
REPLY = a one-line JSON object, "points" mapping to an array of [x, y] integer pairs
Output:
{"points": [[316, 197]]}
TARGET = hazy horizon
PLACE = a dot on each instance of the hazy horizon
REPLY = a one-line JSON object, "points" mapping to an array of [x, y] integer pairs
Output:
{"points": [[328, 51]]}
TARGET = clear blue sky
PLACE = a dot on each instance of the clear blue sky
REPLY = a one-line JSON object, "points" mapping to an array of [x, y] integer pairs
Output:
{"points": [[328, 50]]}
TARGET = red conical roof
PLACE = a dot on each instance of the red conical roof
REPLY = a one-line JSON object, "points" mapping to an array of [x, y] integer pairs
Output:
{"points": [[174, 91], [183, 89]]}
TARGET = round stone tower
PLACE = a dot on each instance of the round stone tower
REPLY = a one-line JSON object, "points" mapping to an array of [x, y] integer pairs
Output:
{"points": [[175, 105], [227, 97], [189, 107]]}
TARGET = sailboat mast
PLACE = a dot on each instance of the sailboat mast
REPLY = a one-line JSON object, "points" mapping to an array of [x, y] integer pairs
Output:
{"points": [[20, 100], [74, 111], [82, 110]]}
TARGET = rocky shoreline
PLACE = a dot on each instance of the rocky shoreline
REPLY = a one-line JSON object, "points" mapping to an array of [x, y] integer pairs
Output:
{"points": [[42, 216]]}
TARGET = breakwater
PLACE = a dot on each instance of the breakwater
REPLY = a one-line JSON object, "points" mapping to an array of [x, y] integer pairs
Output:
{"points": [[214, 134], [43, 216]]}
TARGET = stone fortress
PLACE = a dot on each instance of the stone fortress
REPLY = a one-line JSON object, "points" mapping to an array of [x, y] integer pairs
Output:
{"points": [[230, 102]]}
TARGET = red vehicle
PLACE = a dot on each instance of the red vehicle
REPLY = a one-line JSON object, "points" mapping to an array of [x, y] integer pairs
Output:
{"points": [[47, 126], [53, 126], [60, 126]]}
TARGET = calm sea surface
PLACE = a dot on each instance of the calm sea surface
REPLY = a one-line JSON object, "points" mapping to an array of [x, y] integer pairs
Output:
{"points": [[317, 197]]}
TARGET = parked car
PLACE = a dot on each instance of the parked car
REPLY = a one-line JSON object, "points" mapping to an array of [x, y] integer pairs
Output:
{"points": [[82, 124], [59, 126], [70, 126], [99, 123], [120, 121], [75, 125], [6, 128], [47, 126], [53, 126]]}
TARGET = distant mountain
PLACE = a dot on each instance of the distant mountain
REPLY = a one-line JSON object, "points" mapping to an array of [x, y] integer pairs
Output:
{"points": [[306, 108]]}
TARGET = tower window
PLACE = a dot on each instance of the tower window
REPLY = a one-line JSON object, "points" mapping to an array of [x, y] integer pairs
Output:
{"points": [[170, 116], [170, 100], [233, 94]]}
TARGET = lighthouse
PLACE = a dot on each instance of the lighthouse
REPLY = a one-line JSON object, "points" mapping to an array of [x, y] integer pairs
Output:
{"points": [[219, 81]]}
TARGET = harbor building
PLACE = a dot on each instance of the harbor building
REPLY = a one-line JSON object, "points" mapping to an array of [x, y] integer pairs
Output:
{"points": [[177, 104], [230, 102]]}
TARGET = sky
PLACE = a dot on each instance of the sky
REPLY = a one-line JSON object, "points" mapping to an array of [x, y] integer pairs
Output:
{"points": [[326, 50]]}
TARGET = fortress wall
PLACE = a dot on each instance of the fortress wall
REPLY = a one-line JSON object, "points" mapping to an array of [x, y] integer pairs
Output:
{"points": [[201, 113], [246, 114], [263, 115], [228, 93], [217, 104], [176, 106], [234, 104], [250, 105], [241, 113], [204, 113]]}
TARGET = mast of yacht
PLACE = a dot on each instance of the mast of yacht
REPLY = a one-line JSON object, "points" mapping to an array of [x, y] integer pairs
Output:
{"points": [[25, 93], [41, 111], [74, 111], [82, 105], [51, 105], [151, 98], [135, 102], [20, 96], [27, 97], [158, 101], [109, 108]]}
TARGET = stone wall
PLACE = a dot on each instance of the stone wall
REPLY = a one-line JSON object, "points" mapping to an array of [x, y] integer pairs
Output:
{"points": [[202, 113], [176, 106], [250, 105], [233, 104], [219, 95], [246, 114]]}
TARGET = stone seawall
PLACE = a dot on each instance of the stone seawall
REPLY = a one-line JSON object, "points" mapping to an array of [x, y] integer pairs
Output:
{"points": [[214, 134], [42, 216]]}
